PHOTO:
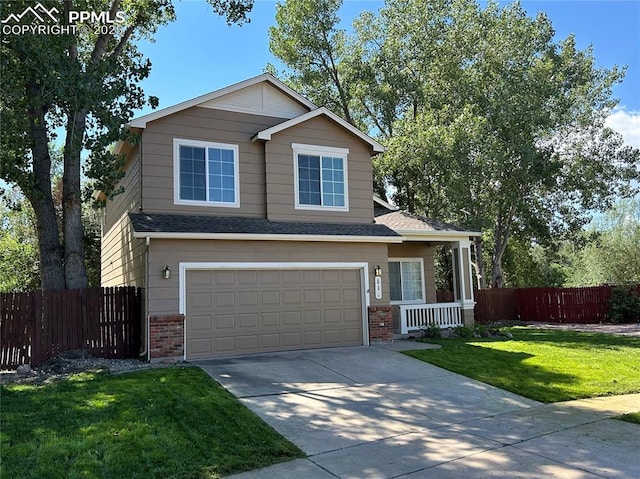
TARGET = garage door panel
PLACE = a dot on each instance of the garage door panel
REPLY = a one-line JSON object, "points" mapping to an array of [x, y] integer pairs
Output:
{"points": [[352, 335], [248, 320], [201, 346], [291, 318], [291, 277], [224, 344], [248, 343], [269, 298], [312, 296], [291, 339], [332, 316], [271, 319], [201, 300], [350, 295], [201, 323], [312, 338], [271, 341], [223, 278], [247, 311], [291, 297], [248, 298], [224, 299], [224, 321], [313, 317], [200, 278]]}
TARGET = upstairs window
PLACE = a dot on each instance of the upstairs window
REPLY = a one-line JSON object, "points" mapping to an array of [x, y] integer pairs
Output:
{"points": [[320, 177], [206, 173]]}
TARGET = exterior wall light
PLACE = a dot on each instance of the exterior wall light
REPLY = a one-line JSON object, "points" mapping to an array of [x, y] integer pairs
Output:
{"points": [[166, 272], [378, 271]]}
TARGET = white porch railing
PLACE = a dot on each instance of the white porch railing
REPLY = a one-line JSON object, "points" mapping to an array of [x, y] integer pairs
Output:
{"points": [[415, 316]]}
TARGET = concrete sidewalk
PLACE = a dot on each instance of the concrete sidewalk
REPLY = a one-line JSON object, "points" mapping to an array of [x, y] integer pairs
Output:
{"points": [[369, 412]]}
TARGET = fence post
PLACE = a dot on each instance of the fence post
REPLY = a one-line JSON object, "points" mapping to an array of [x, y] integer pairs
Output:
{"points": [[36, 344]]}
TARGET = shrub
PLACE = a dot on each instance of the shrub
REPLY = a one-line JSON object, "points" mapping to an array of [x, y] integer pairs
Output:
{"points": [[463, 332], [431, 330], [624, 305]]}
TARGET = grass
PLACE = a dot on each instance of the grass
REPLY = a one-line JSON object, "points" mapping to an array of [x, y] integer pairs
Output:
{"points": [[631, 417], [173, 423], [545, 365]]}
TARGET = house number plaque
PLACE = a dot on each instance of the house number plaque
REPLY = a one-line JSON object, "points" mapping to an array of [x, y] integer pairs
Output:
{"points": [[377, 287]]}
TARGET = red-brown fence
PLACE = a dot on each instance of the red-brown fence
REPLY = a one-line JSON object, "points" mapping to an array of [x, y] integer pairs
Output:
{"points": [[498, 304], [550, 305], [105, 322]]}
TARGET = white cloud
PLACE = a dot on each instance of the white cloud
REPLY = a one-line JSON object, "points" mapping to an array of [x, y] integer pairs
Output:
{"points": [[627, 123]]}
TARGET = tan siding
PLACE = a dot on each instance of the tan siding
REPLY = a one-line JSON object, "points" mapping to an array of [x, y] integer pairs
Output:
{"points": [[418, 250], [122, 256], [280, 173], [204, 124], [129, 199], [172, 252]]}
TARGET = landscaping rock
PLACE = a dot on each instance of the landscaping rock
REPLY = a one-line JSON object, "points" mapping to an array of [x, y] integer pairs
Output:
{"points": [[23, 370]]}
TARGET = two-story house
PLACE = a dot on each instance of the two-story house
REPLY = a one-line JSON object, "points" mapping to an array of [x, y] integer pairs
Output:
{"points": [[249, 219]]}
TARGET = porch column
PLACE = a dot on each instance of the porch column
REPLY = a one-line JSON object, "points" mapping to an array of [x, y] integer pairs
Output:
{"points": [[462, 279]]}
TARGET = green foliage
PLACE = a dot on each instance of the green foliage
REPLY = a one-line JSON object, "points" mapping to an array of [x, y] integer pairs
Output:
{"points": [[489, 122], [18, 249], [162, 423], [624, 305], [611, 250], [463, 332], [430, 330], [86, 84], [19, 255], [633, 417], [545, 365]]}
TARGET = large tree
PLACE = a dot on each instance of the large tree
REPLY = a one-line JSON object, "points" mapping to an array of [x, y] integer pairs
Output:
{"points": [[84, 83], [612, 250], [489, 121]]}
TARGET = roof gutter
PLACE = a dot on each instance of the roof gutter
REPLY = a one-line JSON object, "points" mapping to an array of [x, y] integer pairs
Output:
{"points": [[452, 235], [269, 237]]}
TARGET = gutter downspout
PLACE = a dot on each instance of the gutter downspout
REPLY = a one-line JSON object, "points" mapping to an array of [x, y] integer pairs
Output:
{"points": [[145, 350]]}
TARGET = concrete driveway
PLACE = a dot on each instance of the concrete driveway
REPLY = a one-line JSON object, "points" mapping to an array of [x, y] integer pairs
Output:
{"points": [[370, 412]]}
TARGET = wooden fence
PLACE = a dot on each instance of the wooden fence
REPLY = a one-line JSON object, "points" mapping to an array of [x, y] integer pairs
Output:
{"points": [[499, 304], [104, 322], [550, 305]]}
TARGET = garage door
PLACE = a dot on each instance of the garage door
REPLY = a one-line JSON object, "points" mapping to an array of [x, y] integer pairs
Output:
{"points": [[248, 311]]}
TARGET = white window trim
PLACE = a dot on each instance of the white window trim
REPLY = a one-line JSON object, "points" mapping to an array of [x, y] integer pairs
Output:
{"points": [[177, 143], [413, 260], [299, 148]]}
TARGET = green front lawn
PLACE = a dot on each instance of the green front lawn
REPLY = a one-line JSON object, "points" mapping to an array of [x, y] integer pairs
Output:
{"points": [[631, 417], [162, 423], [545, 365]]}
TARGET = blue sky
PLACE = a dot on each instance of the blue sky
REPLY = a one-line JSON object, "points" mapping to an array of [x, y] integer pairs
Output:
{"points": [[198, 53]]}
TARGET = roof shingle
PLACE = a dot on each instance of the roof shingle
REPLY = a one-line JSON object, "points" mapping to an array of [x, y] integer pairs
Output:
{"points": [[171, 223]]}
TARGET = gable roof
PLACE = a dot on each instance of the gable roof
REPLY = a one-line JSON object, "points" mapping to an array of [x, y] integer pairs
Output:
{"points": [[152, 225], [266, 134], [417, 227], [141, 122]]}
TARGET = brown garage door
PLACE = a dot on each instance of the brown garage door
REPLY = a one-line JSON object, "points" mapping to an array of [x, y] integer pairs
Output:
{"points": [[247, 311]]}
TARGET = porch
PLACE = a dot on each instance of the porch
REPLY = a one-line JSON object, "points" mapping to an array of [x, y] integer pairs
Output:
{"points": [[411, 318]]}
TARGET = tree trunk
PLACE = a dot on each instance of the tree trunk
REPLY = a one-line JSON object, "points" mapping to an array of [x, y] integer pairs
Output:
{"points": [[39, 195], [480, 268], [74, 267], [502, 232]]}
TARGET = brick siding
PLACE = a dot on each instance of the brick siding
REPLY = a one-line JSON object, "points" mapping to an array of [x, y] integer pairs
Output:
{"points": [[166, 336], [380, 324]]}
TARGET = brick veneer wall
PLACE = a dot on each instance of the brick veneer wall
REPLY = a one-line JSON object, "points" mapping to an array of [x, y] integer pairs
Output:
{"points": [[380, 323], [166, 336]]}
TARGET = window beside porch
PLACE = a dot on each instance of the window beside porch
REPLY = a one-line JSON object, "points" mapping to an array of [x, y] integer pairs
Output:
{"points": [[406, 280]]}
